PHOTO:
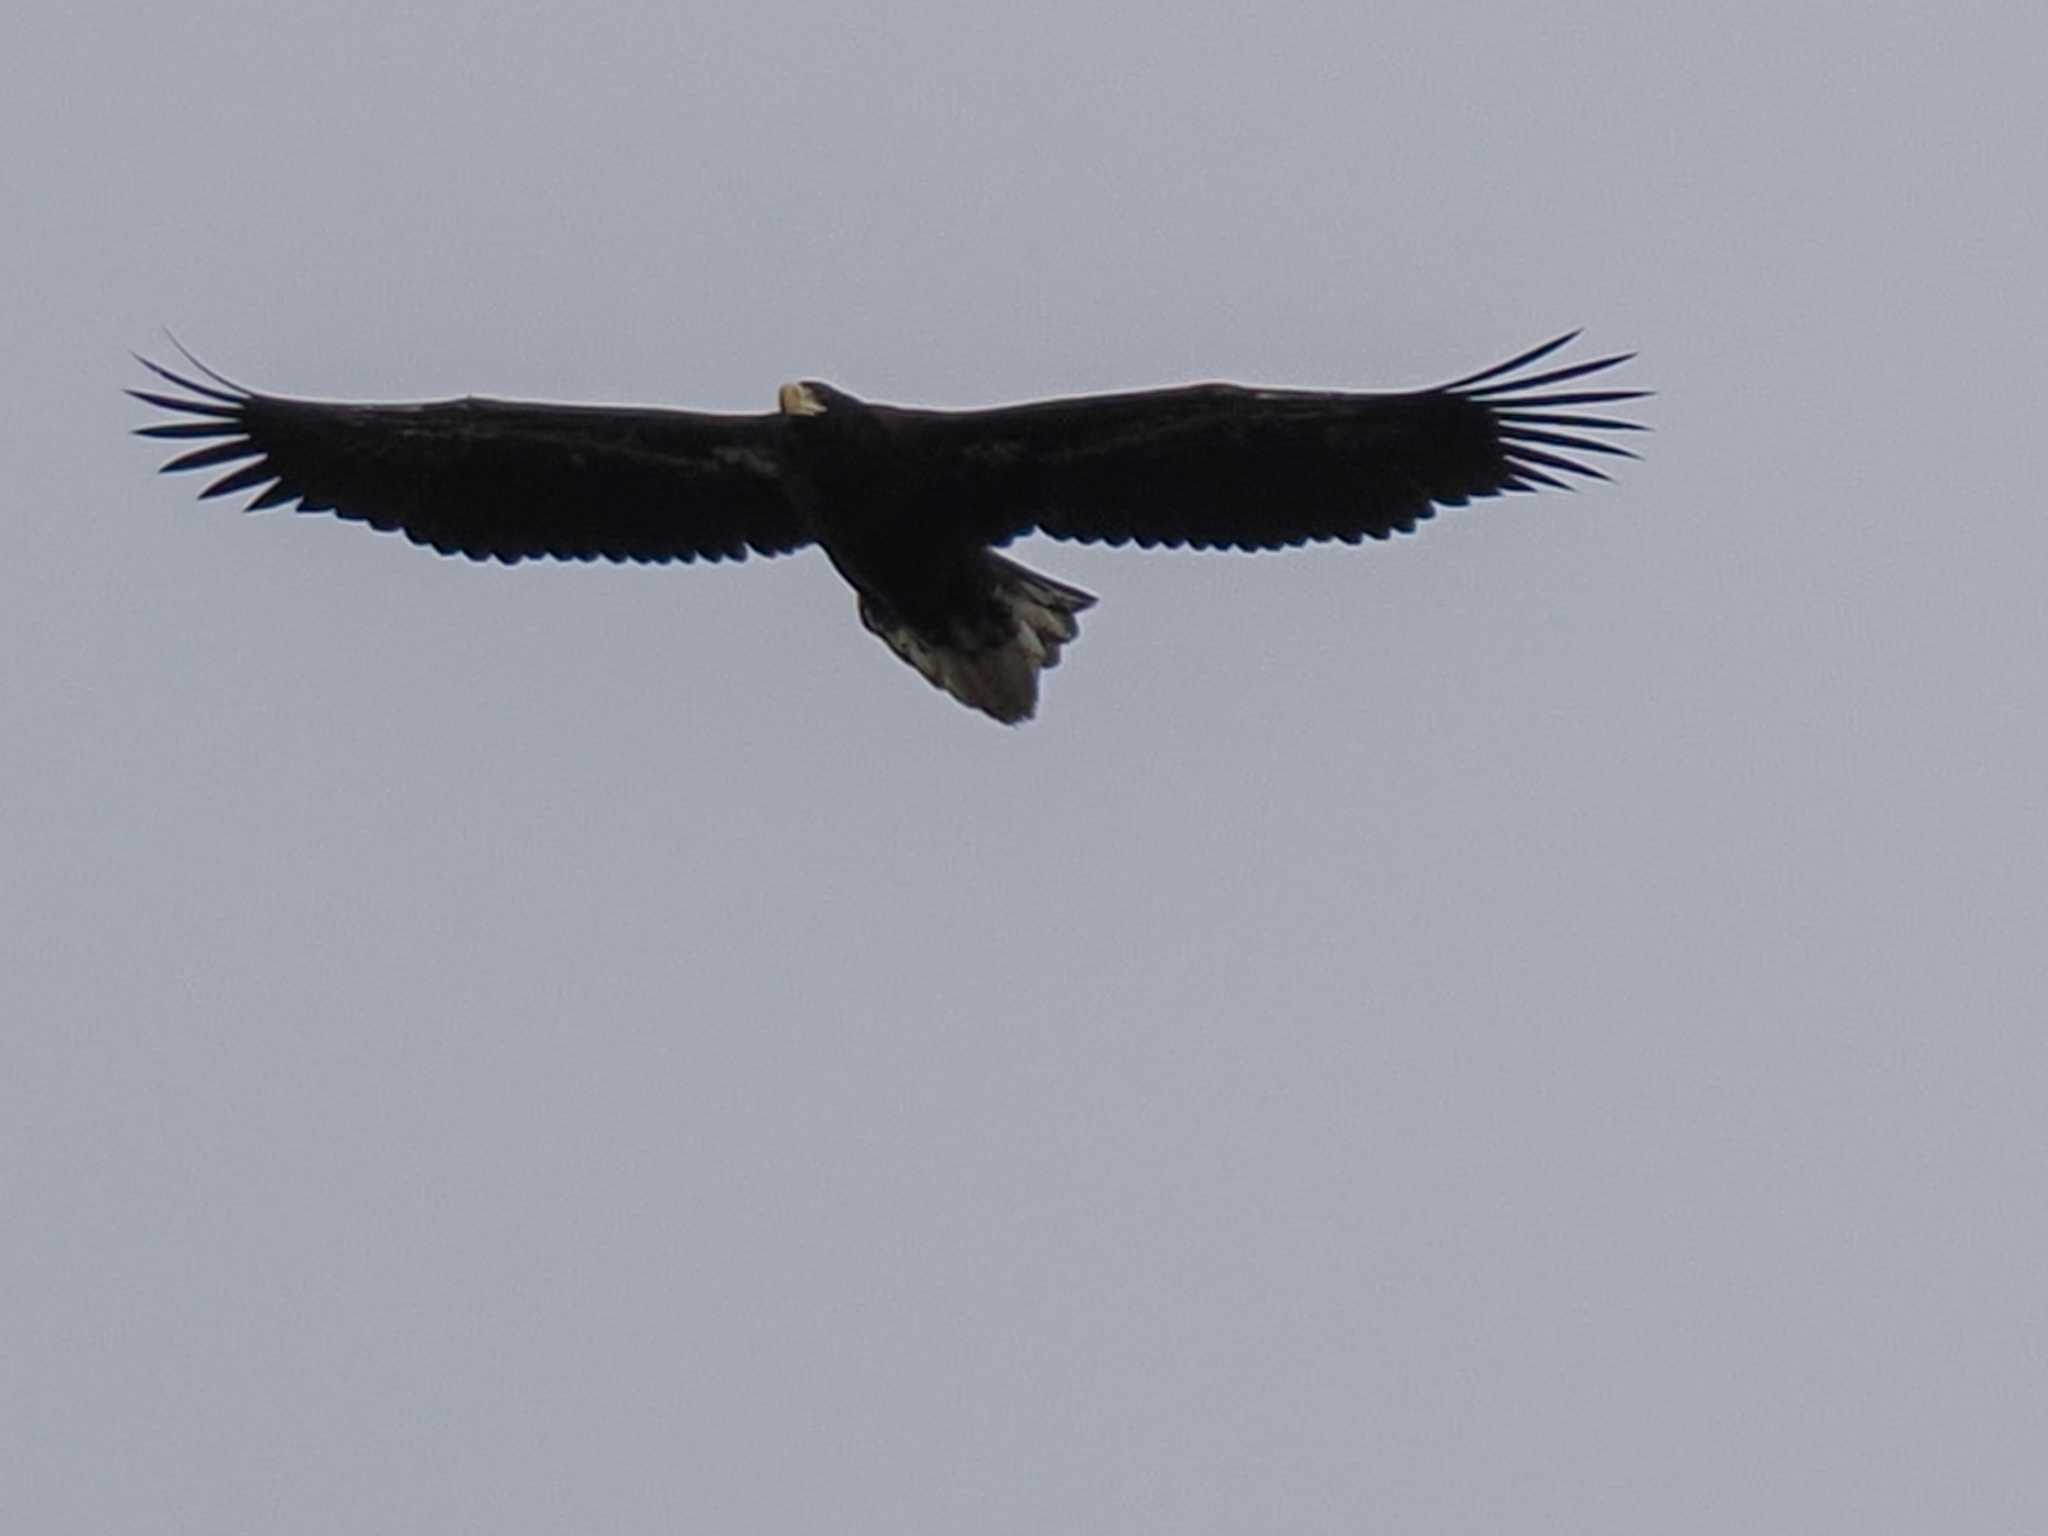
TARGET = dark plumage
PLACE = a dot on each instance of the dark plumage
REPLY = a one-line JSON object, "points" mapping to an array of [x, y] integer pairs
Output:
{"points": [[909, 504]]}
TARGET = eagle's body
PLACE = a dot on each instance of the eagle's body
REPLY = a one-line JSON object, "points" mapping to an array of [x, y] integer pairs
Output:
{"points": [[910, 505]]}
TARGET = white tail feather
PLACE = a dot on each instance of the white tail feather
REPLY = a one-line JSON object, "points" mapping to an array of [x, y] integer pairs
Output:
{"points": [[1000, 679]]}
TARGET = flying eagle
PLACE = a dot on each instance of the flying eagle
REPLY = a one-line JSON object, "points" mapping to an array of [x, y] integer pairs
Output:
{"points": [[910, 505]]}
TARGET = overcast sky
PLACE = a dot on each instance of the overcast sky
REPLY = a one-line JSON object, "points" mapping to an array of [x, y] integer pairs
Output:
{"points": [[1534, 1027]]}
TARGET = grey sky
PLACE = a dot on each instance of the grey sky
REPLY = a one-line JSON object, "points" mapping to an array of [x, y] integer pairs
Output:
{"points": [[1536, 1027]]}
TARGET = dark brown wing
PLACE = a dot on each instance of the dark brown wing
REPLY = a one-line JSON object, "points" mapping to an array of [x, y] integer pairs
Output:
{"points": [[497, 479], [1217, 466]]}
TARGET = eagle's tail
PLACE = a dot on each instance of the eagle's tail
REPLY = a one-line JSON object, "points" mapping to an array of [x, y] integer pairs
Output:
{"points": [[998, 676]]}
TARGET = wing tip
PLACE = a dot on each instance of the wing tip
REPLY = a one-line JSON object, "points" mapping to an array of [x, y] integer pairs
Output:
{"points": [[191, 357], [1507, 387], [233, 394], [1520, 360], [1542, 442]]}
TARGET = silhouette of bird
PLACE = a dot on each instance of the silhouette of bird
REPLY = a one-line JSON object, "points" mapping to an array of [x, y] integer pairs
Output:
{"points": [[909, 504]]}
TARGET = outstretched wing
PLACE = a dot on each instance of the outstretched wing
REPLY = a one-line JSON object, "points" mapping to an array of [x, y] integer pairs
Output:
{"points": [[1217, 466], [497, 479]]}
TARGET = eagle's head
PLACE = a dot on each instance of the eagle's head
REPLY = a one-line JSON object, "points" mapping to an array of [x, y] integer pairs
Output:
{"points": [[809, 398]]}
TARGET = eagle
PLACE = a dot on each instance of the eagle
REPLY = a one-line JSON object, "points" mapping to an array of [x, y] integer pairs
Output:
{"points": [[910, 505]]}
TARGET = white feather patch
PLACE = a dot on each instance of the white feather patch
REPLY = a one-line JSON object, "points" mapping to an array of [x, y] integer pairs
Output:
{"points": [[1001, 680]]}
